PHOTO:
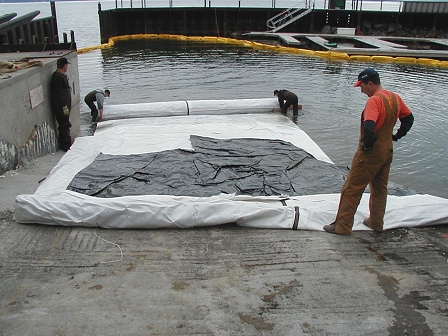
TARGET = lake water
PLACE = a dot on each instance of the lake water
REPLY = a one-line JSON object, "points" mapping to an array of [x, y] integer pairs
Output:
{"points": [[149, 71]]}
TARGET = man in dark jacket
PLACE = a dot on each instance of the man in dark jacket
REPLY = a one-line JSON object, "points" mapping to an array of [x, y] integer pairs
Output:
{"points": [[286, 99], [61, 102], [98, 97]]}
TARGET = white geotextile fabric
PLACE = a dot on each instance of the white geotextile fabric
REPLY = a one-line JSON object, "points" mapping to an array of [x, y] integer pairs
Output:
{"points": [[52, 204]]}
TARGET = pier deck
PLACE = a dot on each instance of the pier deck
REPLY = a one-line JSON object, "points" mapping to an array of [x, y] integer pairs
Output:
{"points": [[289, 40], [363, 45]]}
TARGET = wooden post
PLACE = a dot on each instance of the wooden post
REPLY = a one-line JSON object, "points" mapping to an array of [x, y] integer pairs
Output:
{"points": [[55, 21], [434, 27]]}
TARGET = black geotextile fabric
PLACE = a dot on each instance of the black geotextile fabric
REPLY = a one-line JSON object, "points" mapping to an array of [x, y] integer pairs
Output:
{"points": [[257, 167]]}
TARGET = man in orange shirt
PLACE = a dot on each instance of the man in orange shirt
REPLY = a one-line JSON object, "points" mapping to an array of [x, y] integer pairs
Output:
{"points": [[371, 162]]}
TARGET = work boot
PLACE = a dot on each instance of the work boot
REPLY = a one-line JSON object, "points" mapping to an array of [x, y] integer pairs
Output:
{"points": [[367, 223], [331, 228]]}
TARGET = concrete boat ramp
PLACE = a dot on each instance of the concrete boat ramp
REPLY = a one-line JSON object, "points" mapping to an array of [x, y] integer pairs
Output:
{"points": [[391, 46], [217, 280]]}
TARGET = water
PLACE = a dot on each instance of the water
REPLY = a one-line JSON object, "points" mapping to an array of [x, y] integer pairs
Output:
{"points": [[148, 71]]}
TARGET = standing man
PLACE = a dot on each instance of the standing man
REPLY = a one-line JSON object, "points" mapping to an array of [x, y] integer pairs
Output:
{"points": [[286, 99], [61, 102], [371, 163], [98, 97]]}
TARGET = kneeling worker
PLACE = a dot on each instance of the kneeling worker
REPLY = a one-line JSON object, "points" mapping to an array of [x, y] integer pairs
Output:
{"points": [[286, 99], [98, 97]]}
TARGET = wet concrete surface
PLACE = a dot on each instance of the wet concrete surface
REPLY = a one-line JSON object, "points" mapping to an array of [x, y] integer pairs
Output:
{"points": [[224, 280]]}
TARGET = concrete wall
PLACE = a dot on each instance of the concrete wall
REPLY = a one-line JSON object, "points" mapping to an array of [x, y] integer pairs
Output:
{"points": [[26, 132]]}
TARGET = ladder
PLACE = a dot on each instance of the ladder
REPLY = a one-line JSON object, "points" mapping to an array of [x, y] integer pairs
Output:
{"points": [[288, 16]]}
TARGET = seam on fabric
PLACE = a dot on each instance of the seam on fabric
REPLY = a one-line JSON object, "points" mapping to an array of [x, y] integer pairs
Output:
{"points": [[188, 107]]}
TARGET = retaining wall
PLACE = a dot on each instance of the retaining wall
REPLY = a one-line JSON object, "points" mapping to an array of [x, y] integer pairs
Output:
{"points": [[27, 126]]}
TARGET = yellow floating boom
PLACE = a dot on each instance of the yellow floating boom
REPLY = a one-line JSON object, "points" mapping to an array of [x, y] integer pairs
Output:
{"points": [[257, 45]]}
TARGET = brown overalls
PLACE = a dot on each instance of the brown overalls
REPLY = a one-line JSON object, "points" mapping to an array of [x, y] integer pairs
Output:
{"points": [[369, 167]]}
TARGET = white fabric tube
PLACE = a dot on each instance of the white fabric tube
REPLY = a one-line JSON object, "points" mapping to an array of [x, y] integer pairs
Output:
{"points": [[158, 109], [233, 106], [190, 107]]}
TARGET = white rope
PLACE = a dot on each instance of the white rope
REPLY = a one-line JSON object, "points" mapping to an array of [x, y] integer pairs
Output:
{"points": [[105, 262]]}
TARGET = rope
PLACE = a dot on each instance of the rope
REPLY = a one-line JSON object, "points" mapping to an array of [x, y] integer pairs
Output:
{"points": [[105, 262]]}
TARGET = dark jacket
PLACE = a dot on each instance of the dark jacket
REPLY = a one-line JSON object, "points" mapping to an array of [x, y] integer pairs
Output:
{"points": [[60, 91], [285, 95]]}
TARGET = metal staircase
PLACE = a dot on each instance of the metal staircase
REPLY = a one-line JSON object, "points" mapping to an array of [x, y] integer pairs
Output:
{"points": [[288, 16]]}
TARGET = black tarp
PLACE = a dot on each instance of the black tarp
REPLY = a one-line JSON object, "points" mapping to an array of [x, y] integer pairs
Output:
{"points": [[257, 167]]}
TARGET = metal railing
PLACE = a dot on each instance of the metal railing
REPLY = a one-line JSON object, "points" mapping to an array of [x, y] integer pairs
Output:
{"points": [[374, 5], [288, 16]]}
